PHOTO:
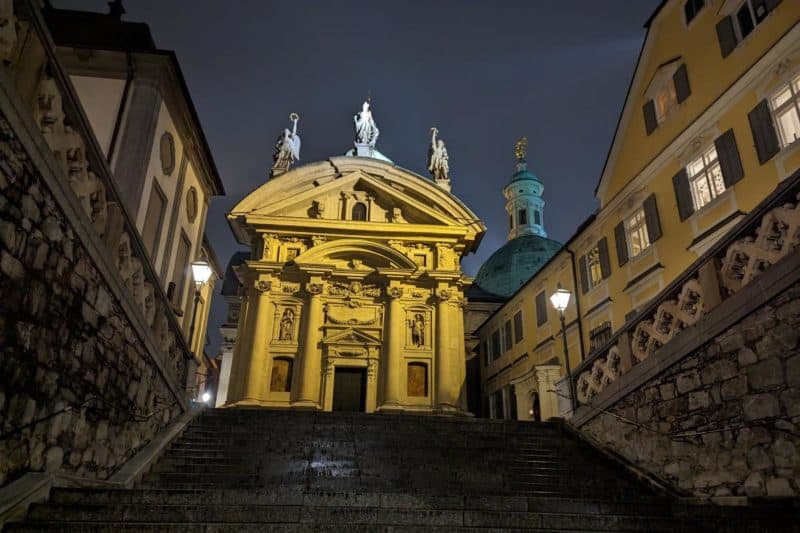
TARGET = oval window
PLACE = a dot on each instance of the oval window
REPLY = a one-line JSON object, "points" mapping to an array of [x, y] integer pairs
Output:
{"points": [[167, 150], [191, 204]]}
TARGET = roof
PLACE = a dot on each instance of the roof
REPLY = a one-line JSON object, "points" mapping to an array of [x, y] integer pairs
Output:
{"points": [[102, 31], [230, 284], [514, 263], [522, 173], [211, 255], [476, 294]]}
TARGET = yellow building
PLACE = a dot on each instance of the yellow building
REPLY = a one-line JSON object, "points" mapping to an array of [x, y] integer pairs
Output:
{"points": [[709, 129], [353, 294]]}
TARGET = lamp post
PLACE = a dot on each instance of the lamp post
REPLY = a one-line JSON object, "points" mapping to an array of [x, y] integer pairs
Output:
{"points": [[560, 300], [201, 272]]}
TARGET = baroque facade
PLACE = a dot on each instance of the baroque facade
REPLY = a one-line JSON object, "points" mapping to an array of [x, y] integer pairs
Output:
{"points": [[352, 296]]}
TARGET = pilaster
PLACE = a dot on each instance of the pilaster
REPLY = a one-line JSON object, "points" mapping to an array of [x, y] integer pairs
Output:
{"points": [[310, 357], [393, 350], [450, 370]]}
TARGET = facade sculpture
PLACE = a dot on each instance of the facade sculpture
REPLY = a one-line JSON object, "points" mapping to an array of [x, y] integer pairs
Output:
{"points": [[438, 163], [287, 148], [366, 130], [287, 325]]}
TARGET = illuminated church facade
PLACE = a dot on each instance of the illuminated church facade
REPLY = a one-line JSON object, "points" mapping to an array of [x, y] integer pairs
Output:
{"points": [[352, 297]]}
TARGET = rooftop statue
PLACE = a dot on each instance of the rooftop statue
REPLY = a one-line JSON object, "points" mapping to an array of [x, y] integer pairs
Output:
{"points": [[438, 161], [287, 148], [521, 148], [366, 130]]}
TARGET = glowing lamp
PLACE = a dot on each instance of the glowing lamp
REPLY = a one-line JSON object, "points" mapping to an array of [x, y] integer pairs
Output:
{"points": [[206, 397], [560, 299], [201, 272]]}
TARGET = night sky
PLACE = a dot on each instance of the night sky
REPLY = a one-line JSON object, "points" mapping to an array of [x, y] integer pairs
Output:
{"points": [[484, 73]]}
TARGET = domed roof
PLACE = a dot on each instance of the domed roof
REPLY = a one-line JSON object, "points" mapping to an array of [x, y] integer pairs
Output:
{"points": [[514, 263], [522, 173]]}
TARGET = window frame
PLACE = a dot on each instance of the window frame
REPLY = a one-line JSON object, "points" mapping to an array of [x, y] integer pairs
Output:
{"points": [[638, 226], [522, 216], [737, 24], [359, 205], [705, 174], [593, 260], [792, 103]]}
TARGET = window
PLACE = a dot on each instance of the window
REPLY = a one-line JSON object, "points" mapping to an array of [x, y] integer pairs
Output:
{"points": [[507, 336], [523, 217], [595, 266], [749, 15], [593, 271], [510, 222], [741, 21], [495, 353], [181, 268], [705, 178], [636, 233], [691, 8], [599, 336], [537, 217], [665, 101], [785, 104], [154, 220], [518, 327], [359, 211], [541, 308], [417, 380], [281, 379]]}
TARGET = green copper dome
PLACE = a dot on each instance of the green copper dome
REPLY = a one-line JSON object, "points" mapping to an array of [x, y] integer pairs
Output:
{"points": [[514, 263]]}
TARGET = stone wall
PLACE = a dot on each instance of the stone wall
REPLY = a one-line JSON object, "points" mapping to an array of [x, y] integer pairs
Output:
{"points": [[724, 420], [65, 340]]}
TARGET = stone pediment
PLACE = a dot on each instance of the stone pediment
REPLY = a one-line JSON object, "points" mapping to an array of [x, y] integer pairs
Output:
{"points": [[352, 336], [332, 202]]}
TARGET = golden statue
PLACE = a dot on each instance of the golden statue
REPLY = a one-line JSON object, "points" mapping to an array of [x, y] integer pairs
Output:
{"points": [[521, 148]]}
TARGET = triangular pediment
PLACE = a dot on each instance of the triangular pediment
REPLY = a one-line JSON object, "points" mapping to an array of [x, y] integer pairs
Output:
{"points": [[334, 201], [352, 336]]}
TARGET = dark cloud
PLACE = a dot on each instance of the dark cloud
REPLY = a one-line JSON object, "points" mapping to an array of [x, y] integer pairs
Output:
{"points": [[483, 72]]}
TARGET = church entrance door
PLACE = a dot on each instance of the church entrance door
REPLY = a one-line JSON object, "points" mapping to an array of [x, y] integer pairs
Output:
{"points": [[350, 389]]}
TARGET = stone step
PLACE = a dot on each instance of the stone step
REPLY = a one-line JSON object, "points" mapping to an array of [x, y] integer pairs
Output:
{"points": [[329, 515], [242, 527]]}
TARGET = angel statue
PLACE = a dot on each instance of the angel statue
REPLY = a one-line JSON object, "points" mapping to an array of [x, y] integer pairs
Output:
{"points": [[366, 130], [438, 163], [287, 148]]}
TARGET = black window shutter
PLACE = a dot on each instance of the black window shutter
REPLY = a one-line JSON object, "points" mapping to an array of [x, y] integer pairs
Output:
{"points": [[681, 81], [584, 274], [651, 217], [772, 4], [650, 120], [605, 263], [729, 161], [621, 242], [764, 135], [541, 309], [726, 35], [683, 194]]}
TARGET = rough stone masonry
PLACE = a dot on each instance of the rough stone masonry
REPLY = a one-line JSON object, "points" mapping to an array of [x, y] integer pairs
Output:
{"points": [[726, 419], [65, 342]]}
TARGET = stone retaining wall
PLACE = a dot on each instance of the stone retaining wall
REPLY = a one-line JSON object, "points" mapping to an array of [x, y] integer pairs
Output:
{"points": [[65, 341], [725, 419]]}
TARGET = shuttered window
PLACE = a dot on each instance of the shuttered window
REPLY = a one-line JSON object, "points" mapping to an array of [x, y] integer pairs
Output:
{"points": [[691, 8], [681, 81], [734, 28], [638, 231], [764, 135], [518, 327], [785, 106], [667, 96], [705, 178], [541, 308], [595, 266]]}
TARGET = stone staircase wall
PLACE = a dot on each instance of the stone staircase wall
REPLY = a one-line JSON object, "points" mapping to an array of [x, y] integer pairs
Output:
{"points": [[85, 381], [702, 390]]}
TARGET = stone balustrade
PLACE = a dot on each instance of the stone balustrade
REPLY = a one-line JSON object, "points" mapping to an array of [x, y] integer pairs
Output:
{"points": [[769, 233]]}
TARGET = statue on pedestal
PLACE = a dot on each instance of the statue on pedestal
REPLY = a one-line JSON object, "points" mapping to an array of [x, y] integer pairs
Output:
{"points": [[438, 161], [287, 148], [366, 130]]}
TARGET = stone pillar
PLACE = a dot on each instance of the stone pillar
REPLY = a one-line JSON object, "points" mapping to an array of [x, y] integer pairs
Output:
{"points": [[310, 357], [450, 370], [393, 367], [546, 377], [240, 349], [257, 358]]}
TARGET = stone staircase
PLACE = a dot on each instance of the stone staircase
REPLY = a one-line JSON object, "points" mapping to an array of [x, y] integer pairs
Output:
{"points": [[263, 470]]}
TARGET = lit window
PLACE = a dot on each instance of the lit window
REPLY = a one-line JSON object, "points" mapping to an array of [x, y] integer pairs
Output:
{"points": [[705, 178], [665, 101], [594, 270], [636, 232], [785, 103]]}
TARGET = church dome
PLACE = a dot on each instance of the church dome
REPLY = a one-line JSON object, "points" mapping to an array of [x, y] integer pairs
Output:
{"points": [[514, 263]]}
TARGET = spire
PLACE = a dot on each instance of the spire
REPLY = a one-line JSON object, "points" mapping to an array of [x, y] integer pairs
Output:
{"points": [[524, 203]]}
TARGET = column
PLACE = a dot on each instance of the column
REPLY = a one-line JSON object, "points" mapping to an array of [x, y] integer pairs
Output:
{"points": [[392, 367], [449, 366], [310, 357], [257, 359], [239, 350]]}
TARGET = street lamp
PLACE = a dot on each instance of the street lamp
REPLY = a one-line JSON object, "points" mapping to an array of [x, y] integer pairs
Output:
{"points": [[560, 300], [201, 272]]}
